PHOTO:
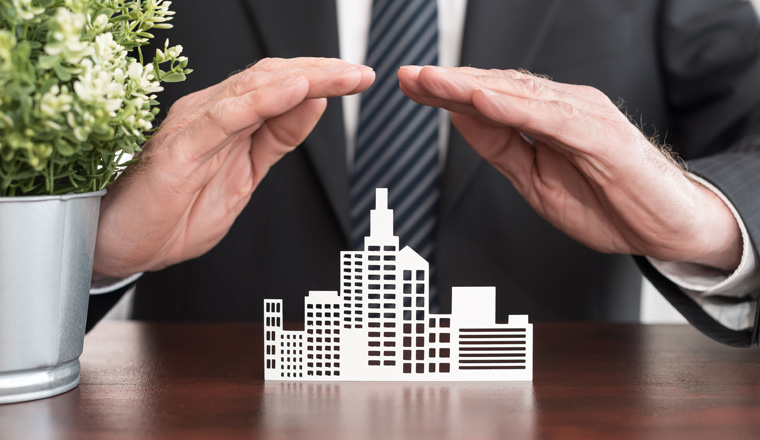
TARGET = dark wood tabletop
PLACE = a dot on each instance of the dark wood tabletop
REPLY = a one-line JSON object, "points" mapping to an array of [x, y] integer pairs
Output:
{"points": [[193, 381]]}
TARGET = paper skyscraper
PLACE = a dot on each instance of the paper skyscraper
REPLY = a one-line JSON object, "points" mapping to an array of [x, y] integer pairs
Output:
{"points": [[378, 327]]}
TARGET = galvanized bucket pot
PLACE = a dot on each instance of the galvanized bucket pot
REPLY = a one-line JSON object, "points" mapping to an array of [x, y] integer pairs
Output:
{"points": [[46, 251]]}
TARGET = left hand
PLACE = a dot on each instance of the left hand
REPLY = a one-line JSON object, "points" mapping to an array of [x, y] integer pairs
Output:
{"points": [[588, 170]]}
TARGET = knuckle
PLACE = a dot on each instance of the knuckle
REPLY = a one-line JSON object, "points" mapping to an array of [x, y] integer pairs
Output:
{"points": [[594, 93], [568, 115], [509, 73], [268, 63], [566, 110], [535, 88]]}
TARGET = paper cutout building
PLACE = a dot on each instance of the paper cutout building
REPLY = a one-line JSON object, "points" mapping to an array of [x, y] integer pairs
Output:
{"points": [[378, 327]]}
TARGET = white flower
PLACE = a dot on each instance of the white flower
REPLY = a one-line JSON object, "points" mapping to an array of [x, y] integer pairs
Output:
{"points": [[56, 101], [27, 11], [66, 29]]}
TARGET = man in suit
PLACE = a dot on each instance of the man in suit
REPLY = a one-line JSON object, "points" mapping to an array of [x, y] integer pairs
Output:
{"points": [[690, 69]]}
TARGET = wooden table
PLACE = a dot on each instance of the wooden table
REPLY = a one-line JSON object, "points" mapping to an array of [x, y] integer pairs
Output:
{"points": [[192, 381]]}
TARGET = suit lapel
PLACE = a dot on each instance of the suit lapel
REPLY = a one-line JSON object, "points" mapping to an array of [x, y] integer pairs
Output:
{"points": [[296, 28], [497, 34]]}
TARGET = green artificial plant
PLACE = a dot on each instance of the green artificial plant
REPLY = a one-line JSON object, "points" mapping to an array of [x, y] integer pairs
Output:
{"points": [[77, 96]]}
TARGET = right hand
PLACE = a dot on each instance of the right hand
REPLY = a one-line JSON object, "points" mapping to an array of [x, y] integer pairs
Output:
{"points": [[198, 172]]}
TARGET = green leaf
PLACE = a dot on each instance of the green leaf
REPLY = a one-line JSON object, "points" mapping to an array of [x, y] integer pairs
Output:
{"points": [[174, 77], [48, 62], [64, 149], [62, 73]]}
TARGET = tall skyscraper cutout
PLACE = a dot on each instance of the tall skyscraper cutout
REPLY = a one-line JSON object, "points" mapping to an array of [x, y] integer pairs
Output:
{"points": [[378, 328]]}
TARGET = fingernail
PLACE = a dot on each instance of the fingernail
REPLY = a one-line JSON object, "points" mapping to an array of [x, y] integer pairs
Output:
{"points": [[364, 68], [489, 92], [414, 69]]}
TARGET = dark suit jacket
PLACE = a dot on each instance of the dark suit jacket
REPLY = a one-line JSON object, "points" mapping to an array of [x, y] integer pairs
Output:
{"points": [[689, 69]]}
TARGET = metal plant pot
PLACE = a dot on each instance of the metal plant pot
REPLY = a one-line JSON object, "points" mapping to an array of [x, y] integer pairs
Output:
{"points": [[46, 251]]}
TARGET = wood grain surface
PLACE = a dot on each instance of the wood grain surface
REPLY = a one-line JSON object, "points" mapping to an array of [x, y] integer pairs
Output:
{"points": [[198, 381]]}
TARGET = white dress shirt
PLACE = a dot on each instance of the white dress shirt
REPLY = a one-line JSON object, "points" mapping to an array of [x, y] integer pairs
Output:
{"points": [[716, 292]]}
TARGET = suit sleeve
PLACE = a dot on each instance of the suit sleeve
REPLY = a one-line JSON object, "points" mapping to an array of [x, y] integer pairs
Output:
{"points": [[710, 53]]}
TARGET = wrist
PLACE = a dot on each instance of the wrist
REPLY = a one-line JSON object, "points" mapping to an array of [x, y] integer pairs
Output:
{"points": [[720, 242]]}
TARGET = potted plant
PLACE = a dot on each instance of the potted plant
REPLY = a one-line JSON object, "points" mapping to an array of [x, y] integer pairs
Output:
{"points": [[77, 99]]}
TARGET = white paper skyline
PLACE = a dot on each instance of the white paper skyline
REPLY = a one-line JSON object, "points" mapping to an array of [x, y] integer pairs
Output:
{"points": [[378, 327]]}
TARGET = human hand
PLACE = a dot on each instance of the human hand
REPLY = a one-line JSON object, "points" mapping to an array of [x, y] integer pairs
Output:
{"points": [[588, 170], [198, 172]]}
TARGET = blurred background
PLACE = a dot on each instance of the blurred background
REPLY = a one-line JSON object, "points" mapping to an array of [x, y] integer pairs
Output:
{"points": [[654, 308]]}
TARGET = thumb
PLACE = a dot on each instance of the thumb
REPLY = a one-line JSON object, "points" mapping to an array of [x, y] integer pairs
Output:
{"points": [[281, 134]]}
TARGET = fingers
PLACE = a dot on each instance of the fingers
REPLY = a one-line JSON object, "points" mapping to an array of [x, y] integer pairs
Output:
{"points": [[213, 129], [458, 83], [327, 76], [503, 147], [562, 124], [579, 118]]}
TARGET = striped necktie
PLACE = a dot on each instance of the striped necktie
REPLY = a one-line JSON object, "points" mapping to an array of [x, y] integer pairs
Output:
{"points": [[397, 139]]}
